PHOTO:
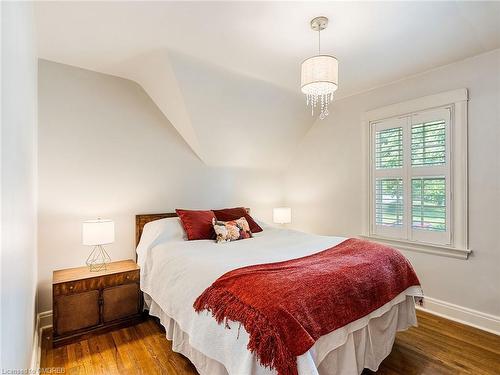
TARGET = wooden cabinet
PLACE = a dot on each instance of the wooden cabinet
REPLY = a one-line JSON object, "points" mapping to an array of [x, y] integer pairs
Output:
{"points": [[70, 314], [87, 302], [119, 301]]}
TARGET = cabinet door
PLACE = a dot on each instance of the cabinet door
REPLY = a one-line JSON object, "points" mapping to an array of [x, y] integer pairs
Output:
{"points": [[120, 301], [76, 311]]}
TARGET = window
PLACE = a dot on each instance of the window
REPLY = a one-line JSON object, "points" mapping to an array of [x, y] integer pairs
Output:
{"points": [[411, 169], [418, 173]]}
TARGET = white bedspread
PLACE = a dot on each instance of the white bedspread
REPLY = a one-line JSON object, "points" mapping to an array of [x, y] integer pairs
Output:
{"points": [[175, 273]]}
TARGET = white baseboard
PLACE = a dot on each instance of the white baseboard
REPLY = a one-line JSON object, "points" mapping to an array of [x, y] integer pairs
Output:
{"points": [[460, 314], [35, 354], [43, 321]]}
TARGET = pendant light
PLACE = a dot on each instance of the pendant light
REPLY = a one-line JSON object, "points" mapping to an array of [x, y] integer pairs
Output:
{"points": [[319, 74]]}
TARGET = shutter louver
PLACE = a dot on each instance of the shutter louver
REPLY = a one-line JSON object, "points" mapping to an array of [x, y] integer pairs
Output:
{"points": [[428, 144], [429, 203], [389, 206], [389, 148]]}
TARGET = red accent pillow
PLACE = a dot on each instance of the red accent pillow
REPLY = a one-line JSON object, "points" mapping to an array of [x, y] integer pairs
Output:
{"points": [[197, 224], [227, 214]]}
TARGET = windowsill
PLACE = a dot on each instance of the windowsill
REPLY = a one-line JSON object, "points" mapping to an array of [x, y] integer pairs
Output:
{"points": [[421, 247]]}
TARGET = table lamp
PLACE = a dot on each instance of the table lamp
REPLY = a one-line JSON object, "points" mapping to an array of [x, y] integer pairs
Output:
{"points": [[282, 215], [97, 233]]}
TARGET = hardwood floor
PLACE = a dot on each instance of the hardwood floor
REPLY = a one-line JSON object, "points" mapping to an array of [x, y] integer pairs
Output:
{"points": [[437, 347]]}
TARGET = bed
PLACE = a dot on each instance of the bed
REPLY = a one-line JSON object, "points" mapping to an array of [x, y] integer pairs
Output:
{"points": [[174, 272]]}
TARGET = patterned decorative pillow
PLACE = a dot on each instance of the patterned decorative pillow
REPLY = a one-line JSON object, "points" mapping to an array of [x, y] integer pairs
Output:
{"points": [[227, 214], [232, 230]]}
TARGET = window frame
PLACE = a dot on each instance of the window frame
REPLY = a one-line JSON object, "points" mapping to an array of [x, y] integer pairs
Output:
{"points": [[456, 149]]}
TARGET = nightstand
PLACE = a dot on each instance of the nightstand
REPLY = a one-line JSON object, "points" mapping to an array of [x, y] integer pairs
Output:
{"points": [[86, 302]]}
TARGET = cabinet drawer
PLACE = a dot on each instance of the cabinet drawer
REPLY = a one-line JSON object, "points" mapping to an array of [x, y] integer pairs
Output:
{"points": [[76, 286], [76, 311], [94, 283], [120, 301], [121, 278]]}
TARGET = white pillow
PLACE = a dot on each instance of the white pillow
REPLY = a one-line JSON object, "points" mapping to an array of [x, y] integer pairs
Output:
{"points": [[168, 228], [262, 224], [154, 232]]}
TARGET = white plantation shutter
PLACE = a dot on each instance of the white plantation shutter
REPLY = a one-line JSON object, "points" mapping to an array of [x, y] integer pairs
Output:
{"points": [[388, 173], [429, 174], [411, 185]]}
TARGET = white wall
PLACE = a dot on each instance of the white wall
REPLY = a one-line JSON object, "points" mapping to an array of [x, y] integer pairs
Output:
{"points": [[326, 182], [255, 122], [106, 150], [18, 186]]}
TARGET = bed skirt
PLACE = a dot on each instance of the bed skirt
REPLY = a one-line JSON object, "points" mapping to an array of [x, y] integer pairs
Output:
{"points": [[361, 344]]}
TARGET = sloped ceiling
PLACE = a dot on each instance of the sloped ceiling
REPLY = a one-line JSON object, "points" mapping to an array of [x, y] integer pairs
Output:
{"points": [[154, 72], [227, 118], [244, 121], [226, 74]]}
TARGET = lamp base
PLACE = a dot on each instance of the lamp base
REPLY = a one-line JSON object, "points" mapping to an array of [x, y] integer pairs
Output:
{"points": [[98, 259]]}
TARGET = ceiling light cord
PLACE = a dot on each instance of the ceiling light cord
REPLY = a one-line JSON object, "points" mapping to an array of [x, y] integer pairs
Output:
{"points": [[319, 41]]}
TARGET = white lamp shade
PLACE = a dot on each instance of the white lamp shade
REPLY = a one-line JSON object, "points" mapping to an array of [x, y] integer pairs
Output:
{"points": [[320, 75], [282, 215], [98, 232]]}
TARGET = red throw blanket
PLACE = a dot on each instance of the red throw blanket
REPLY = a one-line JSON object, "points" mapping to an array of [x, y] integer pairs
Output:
{"points": [[286, 306]]}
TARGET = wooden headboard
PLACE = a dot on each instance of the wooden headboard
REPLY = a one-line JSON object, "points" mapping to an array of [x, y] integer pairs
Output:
{"points": [[141, 220]]}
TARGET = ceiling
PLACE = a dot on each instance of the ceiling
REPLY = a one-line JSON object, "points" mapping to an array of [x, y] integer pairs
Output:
{"points": [[264, 42], [375, 42]]}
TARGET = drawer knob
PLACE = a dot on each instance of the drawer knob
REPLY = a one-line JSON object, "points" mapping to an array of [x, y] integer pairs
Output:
{"points": [[127, 277], [71, 287]]}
